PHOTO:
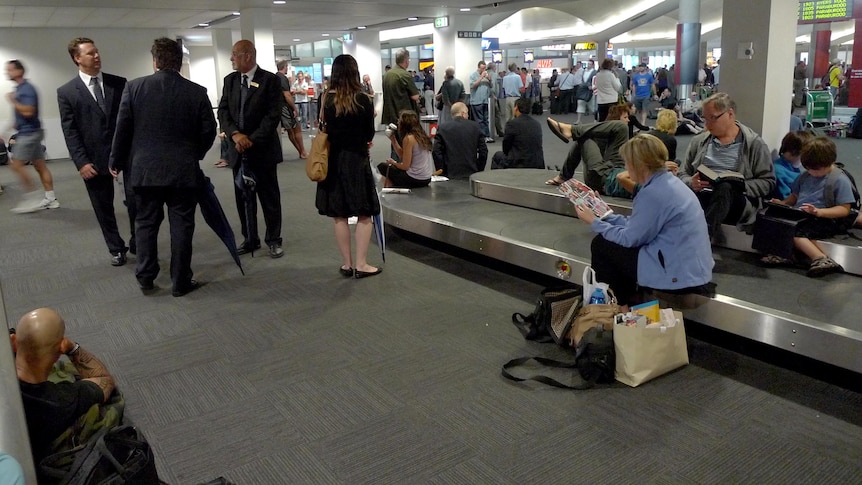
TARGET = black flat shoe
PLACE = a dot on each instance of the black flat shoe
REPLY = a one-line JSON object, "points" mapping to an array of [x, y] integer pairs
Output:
{"points": [[347, 273], [247, 247], [554, 126], [366, 274], [192, 286]]}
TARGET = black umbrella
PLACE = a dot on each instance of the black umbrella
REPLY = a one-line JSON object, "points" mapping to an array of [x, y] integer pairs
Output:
{"points": [[214, 216], [246, 182]]}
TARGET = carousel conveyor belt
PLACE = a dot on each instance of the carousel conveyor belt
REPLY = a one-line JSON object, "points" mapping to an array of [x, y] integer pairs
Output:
{"points": [[817, 318]]}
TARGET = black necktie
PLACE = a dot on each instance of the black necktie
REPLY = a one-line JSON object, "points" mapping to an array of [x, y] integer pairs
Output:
{"points": [[243, 94], [97, 90]]}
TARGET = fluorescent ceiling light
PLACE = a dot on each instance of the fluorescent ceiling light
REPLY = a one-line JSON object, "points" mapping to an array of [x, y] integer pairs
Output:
{"points": [[297, 40], [279, 2], [236, 13], [412, 18], [203, 25], [465, 10], [361, 27], [325, 35], [407, 32]]}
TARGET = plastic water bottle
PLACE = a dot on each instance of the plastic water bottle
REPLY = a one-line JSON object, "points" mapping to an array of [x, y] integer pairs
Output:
{"points": [[598, 297]]}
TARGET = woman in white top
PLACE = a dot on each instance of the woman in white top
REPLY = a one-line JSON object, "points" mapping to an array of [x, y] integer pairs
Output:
{"points": [[416, 165], [607, 90], [300, 97]]}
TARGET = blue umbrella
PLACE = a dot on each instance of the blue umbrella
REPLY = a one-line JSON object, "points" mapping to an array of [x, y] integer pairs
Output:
{"points": [[246, 182], [214, 216], [379, 233]]}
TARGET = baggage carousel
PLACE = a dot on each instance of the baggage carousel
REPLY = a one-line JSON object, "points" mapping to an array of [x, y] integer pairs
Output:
{"points": [[511, 216]]}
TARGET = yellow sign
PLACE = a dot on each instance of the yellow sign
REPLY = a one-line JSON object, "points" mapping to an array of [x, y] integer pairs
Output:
{"points": [[585, 46]]}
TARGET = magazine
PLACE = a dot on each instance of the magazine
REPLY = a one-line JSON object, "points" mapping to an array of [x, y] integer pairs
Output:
{"points": [[580, 194]]}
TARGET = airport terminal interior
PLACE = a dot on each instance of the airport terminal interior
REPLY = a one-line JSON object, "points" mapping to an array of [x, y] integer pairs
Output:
{"points": [[291, 373]]}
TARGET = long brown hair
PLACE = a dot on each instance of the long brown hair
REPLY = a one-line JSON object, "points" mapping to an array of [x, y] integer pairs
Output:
{"points": [[344, 80], [408, 124]]}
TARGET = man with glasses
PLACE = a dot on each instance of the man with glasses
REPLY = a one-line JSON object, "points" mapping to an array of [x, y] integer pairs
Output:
{"points": [[728, 146]]}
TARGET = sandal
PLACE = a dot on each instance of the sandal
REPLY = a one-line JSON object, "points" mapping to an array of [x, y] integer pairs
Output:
{"points": [[823, 266], [556, 181], [773, 260], [554, 126]]}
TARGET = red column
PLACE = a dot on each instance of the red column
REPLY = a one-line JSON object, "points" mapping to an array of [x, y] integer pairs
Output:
{"points": [[819, 66]]}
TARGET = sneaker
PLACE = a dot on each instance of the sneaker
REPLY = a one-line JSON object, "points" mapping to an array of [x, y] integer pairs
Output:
{"points": [[51, 204], [31, 203]]}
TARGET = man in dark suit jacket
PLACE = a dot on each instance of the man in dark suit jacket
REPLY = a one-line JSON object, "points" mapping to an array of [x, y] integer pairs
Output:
{"points": [[249, 116], [459, 145], [88, 113], [522, 144], [165, 126]]}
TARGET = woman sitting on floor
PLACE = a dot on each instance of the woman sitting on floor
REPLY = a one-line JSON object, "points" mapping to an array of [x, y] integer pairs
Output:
{"points": [[416, 165], [664, 244]]}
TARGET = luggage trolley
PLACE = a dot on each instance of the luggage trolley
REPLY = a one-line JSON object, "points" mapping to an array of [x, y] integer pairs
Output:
{"points": [[819, 107]]}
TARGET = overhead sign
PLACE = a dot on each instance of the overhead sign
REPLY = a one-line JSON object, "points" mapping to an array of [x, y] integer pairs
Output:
{"points": [[528, 56], [585, 46], [557, 47], [497, 56], [441, 22], [490, 44], [825, 11], [469, 34]]}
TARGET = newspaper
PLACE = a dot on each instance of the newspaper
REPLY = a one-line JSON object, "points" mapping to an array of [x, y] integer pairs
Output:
{"points": [[580, 194]]}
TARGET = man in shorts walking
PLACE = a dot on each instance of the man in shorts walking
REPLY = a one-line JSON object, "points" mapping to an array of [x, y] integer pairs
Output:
{"points": [[28, 143], [643, 88]]}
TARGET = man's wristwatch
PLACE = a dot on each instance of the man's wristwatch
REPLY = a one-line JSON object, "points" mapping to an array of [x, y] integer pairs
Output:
{"points": [[74, 350]]}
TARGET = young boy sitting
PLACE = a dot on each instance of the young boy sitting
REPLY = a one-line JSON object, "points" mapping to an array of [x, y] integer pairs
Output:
{"points": [[788, 166], [808, 193]]}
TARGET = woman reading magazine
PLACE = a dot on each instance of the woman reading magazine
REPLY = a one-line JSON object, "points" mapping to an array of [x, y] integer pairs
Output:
{"points": [[664, 244]]}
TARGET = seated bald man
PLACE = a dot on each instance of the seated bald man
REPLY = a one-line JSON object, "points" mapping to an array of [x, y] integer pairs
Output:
{"points": [[459, 146], [50, 408]]}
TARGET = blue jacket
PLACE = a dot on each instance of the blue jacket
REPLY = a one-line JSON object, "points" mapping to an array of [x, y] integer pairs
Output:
{"points": [[668, 225], [785, 175]]}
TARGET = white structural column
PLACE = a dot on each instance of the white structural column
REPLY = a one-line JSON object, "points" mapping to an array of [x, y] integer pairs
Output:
{"points": [[222, 46], [462, 53], [757, 63], [365, 47], [256, 26]]}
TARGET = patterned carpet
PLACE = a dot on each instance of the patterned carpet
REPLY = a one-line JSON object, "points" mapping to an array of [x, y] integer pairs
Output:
{"points": [[293, 374]]}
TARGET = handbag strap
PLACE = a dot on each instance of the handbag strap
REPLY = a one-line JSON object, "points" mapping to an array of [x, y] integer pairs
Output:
{"points": [[321, 117], [587, 384]]}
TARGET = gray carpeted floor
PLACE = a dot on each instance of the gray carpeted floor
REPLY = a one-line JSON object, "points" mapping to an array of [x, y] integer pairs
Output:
{"points": [[292, 374]]}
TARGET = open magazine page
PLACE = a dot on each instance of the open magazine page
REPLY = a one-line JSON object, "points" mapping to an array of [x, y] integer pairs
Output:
{"points": [[580, 194]]}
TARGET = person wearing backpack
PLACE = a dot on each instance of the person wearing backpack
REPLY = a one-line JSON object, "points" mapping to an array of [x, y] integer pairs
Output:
{"points": [[833, 78], [825, 192]]}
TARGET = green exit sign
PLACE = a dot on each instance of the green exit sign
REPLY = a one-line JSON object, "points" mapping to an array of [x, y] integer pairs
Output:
{"points": [[441, 22]]}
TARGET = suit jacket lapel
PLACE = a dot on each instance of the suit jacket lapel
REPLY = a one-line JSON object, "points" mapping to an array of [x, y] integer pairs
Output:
{"points": [[84, 92]]}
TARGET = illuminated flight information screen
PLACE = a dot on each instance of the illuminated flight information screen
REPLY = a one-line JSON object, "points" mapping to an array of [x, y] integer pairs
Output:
{"points": [[825, 10]]}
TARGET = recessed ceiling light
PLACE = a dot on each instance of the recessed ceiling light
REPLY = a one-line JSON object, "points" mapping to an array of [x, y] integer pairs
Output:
{"points": [[325, 35], [203, 25], [279, 2], [412, 18], [297, 40], [465, 9], [236, 13], [361, 27]]}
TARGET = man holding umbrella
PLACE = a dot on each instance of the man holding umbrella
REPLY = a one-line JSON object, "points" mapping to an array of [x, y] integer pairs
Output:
{"points": [[249, 113], [164, 127]]}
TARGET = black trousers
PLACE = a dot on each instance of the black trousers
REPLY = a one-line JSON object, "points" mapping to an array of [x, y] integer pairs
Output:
{"points": [[566, 100], [617, 266], [131, 208], [181, 203], [270, 203], [724, 203], [101, 191]]}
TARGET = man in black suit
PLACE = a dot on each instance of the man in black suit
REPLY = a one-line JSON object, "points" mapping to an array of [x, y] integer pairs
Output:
{"points": [[164, 127], [88, 113], [522, 144], [249, 113], [459, 145]]}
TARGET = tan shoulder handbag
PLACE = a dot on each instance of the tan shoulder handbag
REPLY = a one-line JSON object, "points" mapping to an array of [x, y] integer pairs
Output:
{"points": [[317, 164]]}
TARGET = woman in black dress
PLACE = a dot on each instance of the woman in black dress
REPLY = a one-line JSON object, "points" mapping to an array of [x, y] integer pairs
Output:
{"points": [[349, 186]]}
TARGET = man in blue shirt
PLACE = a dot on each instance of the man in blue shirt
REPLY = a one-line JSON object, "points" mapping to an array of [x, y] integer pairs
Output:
{"points": [[512, 85], [480, 92], [643, 87], [28, 143]]}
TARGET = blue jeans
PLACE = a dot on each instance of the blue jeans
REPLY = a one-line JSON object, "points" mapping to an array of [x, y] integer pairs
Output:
{"points": [[480, 115]]}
